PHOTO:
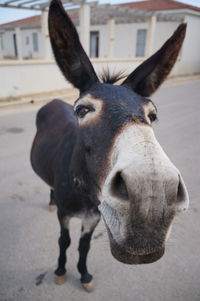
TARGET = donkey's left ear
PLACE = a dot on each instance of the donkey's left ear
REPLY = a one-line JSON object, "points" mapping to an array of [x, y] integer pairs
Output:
{"points": [[68, 51], [146, 78]]}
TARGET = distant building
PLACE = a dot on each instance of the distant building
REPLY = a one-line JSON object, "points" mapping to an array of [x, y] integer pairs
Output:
{"points": [[133, 35], [31, 43]]}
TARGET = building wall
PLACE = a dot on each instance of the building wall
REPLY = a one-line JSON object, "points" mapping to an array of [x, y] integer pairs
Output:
{"points": [[124, 45], [126, 38], [8, 44], [162, 32], [191, 50], [27, 49], [31, 77], [103, 39]]}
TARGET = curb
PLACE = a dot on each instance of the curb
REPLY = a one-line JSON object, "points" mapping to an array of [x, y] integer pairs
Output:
{"points": [[37, 100]]}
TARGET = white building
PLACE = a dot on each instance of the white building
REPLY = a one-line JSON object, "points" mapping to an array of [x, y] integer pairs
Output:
{"points": [[30, 44], [120, 37]]}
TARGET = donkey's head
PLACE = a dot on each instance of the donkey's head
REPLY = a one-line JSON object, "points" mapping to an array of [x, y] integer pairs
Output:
{"points": [[139, 189]]}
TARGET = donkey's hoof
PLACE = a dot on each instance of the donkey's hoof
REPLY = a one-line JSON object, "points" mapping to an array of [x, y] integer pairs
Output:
{"points": [[88, 287], [59, 280], [51, 208]]}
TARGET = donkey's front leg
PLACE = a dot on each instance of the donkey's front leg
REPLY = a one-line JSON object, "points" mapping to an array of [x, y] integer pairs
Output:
{"points": [[64, 242], [88, 225], [52, 204]]}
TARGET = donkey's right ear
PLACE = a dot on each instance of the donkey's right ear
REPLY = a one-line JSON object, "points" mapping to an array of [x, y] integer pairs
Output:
{"points": [[68, 51]]}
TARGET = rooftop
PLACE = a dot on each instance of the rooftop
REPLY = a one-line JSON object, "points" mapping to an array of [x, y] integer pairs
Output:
{"points": [[124, 13], [156, 5], [29, 20]]}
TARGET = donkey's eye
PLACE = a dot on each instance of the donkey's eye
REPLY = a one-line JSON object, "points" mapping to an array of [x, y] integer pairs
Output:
{"points": [[152, 117], [81, 110]]}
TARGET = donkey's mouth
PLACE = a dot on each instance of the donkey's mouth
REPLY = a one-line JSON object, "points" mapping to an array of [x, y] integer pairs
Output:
{"points": [[121, 251], [121, 254], [127, 257]]}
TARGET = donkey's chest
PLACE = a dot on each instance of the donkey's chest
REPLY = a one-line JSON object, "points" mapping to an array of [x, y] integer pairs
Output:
{"points": [[88, 218], [72, 203]]}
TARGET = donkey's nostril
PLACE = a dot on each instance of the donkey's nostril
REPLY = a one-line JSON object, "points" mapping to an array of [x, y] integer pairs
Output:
{"points": [[118, 187]]}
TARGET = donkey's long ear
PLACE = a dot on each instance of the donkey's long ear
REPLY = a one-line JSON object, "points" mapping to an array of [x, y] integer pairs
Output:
{"points": [[146, 78], [68, 52]]}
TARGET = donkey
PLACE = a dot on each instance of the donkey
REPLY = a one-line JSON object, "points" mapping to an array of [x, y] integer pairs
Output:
{"points": [[100, 157]]}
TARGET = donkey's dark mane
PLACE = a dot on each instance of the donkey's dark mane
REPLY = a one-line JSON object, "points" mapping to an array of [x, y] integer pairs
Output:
{"points": [[111, 78]]}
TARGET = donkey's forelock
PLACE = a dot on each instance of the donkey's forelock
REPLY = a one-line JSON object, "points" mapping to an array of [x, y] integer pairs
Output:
{"points": [[111, 78]]}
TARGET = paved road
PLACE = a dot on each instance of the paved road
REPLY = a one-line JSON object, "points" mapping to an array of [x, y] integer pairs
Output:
{"points": [[29, 233]]}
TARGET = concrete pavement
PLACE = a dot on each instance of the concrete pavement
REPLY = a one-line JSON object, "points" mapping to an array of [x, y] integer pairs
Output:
{"points": [[29, 233]]}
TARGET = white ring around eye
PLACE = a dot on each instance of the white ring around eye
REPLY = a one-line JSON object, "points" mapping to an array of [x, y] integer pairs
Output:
{"points": [[81, 111], [149, 109], [93, 115]]}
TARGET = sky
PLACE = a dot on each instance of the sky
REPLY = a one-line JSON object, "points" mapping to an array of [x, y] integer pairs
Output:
{"points": [[10, 14]]}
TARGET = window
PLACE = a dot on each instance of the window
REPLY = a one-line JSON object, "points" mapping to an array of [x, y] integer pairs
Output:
{"points": [[94, 44], [15, 44], [1, 41], [27, 40], [35, 41], [141, 42]]}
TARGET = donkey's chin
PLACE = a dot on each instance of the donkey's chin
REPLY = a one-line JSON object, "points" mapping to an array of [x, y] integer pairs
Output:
{"points": [[129, 258], [124, 256]]}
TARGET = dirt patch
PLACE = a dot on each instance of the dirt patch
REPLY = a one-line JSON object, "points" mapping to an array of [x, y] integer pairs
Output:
{"points": [[15, 130], [40, 278], [97, 236]]}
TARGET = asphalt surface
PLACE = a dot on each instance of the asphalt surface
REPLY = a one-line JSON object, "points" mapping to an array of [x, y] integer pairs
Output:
{"points": [[29, 233]]}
